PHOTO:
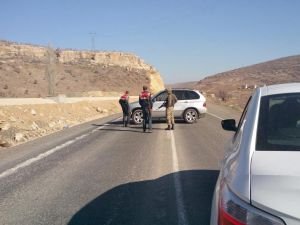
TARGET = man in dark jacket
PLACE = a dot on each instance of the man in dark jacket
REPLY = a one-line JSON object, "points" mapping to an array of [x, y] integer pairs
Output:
{"points": [[146, 104], [124, 102]]}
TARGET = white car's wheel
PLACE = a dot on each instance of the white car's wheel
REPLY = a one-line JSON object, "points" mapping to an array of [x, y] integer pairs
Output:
{"points": [[137, 116], [190, 115]]}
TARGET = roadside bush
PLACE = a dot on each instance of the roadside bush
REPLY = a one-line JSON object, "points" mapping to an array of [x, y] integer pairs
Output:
{"points": [[68, 71], [17, 70], [223, 95]]}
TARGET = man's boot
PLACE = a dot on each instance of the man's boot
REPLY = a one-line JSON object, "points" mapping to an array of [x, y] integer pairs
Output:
{"points": [[173, 127], [168, 128]]}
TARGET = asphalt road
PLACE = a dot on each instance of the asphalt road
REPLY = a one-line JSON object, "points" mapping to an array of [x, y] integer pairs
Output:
{"points": [[102, 173]]}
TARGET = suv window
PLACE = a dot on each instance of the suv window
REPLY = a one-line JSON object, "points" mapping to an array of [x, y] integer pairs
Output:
{"points": [[180, 94], [191, 95], [279, 123], [161, 97]]}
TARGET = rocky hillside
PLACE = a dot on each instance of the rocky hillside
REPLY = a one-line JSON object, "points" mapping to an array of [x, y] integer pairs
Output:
{"points": [[234, 87], [27, 70]]}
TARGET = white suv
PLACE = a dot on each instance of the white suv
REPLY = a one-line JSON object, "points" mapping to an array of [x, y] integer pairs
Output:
{"points": [[191, 105]]}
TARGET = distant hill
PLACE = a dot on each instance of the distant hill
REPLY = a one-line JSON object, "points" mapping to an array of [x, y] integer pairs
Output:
{"points": [[190, 84], [25, 69], [236, 86]]}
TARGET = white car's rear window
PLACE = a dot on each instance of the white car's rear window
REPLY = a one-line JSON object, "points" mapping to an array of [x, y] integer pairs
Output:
{"points": [[279, 123]]}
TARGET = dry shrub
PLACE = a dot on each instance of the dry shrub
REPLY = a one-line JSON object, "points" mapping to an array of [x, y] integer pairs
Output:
{"points": [[223, 95], [17, 70]]}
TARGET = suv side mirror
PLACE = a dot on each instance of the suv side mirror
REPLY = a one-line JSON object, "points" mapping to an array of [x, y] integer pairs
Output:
{"points": [[229, 125], [153, 99]]}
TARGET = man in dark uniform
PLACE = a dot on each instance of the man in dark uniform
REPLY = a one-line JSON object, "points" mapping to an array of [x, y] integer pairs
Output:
{"points": [[124, 102], [146, 104]]}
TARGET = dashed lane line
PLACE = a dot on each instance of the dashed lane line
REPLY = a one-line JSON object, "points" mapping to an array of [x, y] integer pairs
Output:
{"points": [[220, 118]]}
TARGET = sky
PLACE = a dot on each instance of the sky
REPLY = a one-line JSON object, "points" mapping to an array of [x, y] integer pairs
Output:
{"points": [[185, 40]]}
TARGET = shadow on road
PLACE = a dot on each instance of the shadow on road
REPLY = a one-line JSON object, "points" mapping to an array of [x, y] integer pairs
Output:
{"points": [[152, 202], [132, 126]]}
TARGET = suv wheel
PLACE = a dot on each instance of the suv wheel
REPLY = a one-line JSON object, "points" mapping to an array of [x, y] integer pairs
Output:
{"points": [[190, 115], [137, 116]]}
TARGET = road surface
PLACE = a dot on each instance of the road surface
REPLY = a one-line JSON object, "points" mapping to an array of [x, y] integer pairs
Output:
{"points": [[102, 173]]}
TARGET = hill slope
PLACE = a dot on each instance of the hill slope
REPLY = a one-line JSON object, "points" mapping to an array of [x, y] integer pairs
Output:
{"points": [[24, 69], [232, 84]]}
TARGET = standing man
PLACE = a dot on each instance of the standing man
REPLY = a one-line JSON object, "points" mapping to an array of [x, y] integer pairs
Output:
{"points": [[124, 102], [146, 104], [170, 102]]}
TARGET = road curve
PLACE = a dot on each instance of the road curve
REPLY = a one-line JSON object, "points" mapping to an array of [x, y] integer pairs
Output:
{"points": [[103, 173]]}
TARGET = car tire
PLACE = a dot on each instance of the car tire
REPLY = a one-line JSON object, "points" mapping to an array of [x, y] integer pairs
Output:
{"points": [[190, 116], [137, 116]]}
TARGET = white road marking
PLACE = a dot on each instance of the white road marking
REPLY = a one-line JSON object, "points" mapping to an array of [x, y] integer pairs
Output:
{"points": [[220, 118], [182, 219], [49, 152]]}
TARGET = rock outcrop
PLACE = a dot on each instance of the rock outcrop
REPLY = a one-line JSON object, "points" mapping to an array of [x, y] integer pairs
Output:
{"points": [[23, 70]]}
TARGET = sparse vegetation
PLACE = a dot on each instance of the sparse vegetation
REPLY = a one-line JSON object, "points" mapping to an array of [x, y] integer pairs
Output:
{"points": [[68, 71], [223, 95], [57, 52], [17, 70]]}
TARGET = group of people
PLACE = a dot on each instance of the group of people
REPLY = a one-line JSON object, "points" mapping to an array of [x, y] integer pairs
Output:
{"points": [[145, 100]]}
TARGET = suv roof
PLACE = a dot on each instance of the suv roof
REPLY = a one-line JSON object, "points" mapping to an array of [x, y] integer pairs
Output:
{"points": [[182, 89]]}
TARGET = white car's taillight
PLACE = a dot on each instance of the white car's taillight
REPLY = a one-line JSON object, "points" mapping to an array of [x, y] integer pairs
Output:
{"points": [[234, 211]]}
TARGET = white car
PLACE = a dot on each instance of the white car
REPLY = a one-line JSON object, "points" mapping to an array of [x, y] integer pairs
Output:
{"points": [[259, 180], [191, 105]]}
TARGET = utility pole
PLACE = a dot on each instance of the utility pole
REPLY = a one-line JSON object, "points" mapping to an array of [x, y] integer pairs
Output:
{"points": [[50, 70], [93, 35]]}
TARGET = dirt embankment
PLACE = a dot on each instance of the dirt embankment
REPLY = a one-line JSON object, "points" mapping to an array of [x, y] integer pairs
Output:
{"points": [[20, 123]]}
